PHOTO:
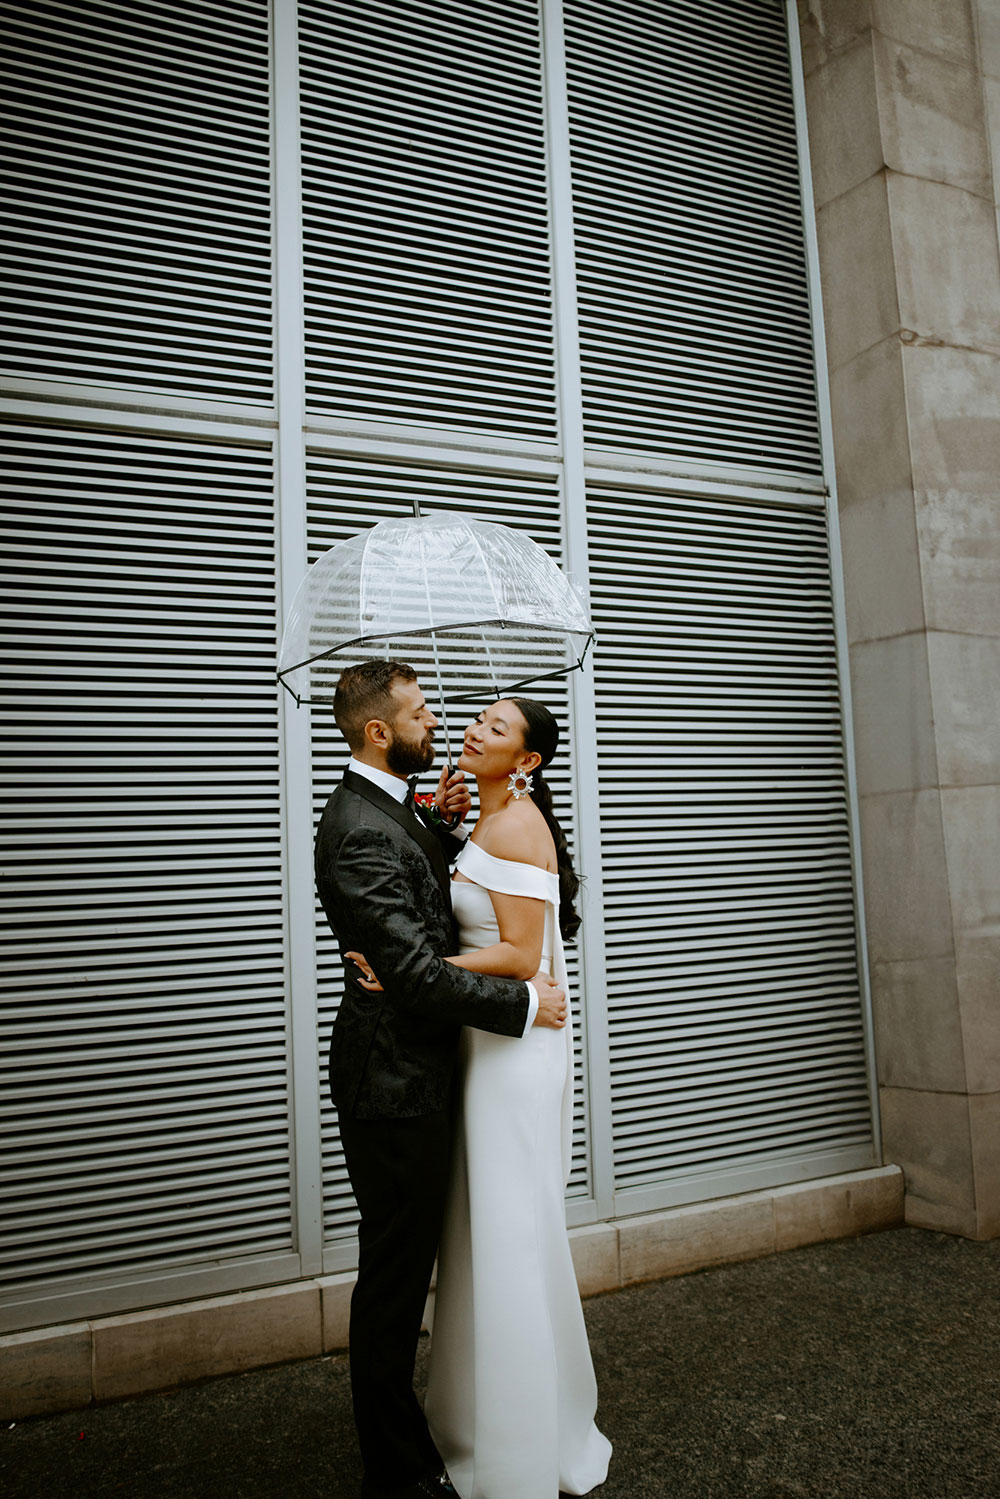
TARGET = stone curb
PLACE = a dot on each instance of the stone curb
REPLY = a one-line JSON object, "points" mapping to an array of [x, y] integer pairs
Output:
{"points": [[63, 1368]]}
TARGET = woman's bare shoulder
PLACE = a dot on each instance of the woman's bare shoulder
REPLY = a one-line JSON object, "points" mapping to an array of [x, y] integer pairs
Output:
{"points": [[518, 833]]}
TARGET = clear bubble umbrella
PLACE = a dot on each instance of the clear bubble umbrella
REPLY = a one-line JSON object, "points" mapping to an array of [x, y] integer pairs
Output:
{"points": [[480, 606]]}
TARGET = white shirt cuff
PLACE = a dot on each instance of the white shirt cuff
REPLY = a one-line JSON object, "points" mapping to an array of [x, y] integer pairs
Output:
{"points": [[532, 1008]]}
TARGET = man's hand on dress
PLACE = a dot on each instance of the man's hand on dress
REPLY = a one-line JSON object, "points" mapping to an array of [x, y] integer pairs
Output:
{"points": [[551, 1002], [452, 797]]}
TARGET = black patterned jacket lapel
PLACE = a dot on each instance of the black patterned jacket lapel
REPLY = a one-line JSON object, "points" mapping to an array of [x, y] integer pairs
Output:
{"points": [[408, 821]]}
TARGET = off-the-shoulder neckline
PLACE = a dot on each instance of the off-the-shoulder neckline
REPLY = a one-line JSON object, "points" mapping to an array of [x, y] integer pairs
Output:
{"points": [[509, 863]]}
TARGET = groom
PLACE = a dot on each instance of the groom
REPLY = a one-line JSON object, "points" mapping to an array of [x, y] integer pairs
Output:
{"points": [[382, 875]]}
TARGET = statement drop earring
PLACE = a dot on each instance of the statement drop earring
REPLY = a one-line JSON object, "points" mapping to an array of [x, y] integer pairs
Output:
{"points": [[520, 784]]}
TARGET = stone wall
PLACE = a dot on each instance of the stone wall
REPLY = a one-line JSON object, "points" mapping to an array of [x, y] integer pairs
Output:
{"points": [[903, 100]]}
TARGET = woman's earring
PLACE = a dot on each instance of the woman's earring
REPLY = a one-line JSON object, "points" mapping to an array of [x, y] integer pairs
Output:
{"points": [[520, 784]]}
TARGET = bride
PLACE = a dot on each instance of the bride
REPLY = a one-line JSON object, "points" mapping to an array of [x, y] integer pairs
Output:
{"points": [[511, 1391]]}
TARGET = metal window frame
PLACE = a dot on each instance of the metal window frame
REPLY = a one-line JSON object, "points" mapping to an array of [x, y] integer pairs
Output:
{"points": [[569, 415], [292, 560], [836, 553]]}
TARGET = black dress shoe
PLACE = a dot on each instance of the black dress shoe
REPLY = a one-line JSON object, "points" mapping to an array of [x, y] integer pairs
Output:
{"points": [[436, 1486], [440, 1487]]}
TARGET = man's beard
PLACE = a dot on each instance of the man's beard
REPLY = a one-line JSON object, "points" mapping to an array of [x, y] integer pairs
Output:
{"points": [[407, 757]]}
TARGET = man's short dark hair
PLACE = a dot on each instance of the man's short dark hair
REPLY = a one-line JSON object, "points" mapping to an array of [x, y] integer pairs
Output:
{"points": [[364, 692]]}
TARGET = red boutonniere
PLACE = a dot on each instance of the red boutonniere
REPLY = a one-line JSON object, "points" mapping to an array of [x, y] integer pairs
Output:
{"points": [[425, 803]]}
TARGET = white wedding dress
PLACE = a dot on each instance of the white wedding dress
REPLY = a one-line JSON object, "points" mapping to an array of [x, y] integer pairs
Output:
{"points": [[511, 1393]]}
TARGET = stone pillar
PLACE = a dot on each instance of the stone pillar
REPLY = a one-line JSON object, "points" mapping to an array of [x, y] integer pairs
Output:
{"points": [[903, 100]]}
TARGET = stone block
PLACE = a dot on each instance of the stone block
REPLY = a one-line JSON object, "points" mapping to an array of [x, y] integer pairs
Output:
{"points": [[595, 1258], [919, 1041], [857, 271], [827, 26], [869, 425], [978, 968], [929, 1136], [893, 719], [690, 1238], [335, 1294], [906, 877], [972, 837], [946, 263], [883, 591], [959, 538], [932, 117], [947, 29], [46, 1369], [965, 688], [991, 99], [845, 146], [879, 542], [984, 1111], [860, 1203], [954, 419], [971, 817], [988, 15], [224, 1335]]}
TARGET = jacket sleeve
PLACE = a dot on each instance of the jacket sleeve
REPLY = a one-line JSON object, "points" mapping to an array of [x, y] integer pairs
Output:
{"points": [[451, 846], [387, 926]]}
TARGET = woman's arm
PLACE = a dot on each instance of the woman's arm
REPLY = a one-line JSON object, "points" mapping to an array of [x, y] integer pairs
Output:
{"points": [[521, 920], [367, 883], [523, 839]]}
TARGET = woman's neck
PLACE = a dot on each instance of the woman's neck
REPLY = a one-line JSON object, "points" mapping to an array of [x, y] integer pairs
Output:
{"points": [[493, 796]]}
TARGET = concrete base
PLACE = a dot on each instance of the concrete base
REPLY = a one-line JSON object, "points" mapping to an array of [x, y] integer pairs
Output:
{"points": [[64, 1368]]}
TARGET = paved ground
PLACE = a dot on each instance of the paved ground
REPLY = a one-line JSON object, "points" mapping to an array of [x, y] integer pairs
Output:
{"points": [[866, 1369]]}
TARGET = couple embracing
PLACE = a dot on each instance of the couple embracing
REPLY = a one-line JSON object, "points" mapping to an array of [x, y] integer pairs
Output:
{"points": [[452, 1078]]}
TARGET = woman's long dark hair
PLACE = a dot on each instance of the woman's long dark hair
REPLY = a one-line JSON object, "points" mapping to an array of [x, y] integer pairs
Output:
{"points": [[542, 737]]}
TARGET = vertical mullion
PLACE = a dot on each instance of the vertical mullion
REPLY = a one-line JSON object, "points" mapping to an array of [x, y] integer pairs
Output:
{"points": [[292, 563], [574, 501], [833, 535]]}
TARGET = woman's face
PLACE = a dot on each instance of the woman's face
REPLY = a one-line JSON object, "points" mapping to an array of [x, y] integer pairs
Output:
{"points": [[494, 743]]}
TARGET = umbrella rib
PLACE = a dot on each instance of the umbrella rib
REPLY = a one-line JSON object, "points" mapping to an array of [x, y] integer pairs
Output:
{"points": [[434, 646], [482, 633], [467, 697], [486, 572], [363, 572], [471, 624]]}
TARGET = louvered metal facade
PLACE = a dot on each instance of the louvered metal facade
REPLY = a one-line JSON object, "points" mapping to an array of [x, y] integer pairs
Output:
{"points": [[138, 197], [694, 308], [145, 1066], [428, 296], [736, 1038], [277, 271]]}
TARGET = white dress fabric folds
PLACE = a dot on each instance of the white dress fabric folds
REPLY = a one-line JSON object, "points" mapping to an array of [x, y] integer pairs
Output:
{"points": [[511, 1392]]}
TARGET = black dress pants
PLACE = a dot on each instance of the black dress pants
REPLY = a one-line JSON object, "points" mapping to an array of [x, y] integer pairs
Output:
{"points": [[399, 1172]]}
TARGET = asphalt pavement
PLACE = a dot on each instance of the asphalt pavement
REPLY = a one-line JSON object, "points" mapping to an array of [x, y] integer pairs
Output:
{"points": [[863, 1369]]}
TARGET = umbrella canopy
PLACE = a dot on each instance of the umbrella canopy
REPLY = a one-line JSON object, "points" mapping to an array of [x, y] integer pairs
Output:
{"points": [[481, 605]]}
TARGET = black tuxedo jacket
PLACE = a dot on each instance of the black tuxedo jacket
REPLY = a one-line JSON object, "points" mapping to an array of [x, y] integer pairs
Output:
{"points": [[382, 877]]}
